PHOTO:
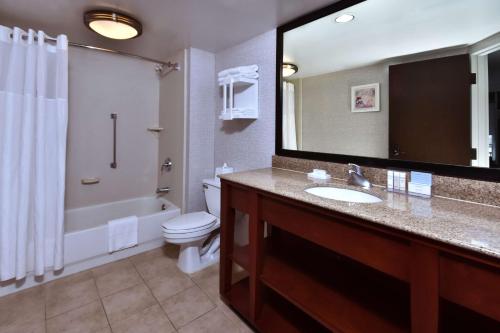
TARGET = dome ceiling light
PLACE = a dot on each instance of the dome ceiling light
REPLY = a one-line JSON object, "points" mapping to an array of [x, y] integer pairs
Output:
{"points": [[344, 18], [112, 24], [289, 69]]}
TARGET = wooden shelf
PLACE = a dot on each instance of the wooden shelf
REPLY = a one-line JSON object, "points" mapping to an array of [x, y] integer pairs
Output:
{"points": [[457, 319], [277, 315], [333, 295], [335, 300]]}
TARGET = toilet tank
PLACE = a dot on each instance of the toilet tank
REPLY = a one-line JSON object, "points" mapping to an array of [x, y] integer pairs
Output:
{"points": [[211, 187]]}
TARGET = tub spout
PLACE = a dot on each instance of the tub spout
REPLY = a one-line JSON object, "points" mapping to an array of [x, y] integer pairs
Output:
{"points": [[161, 190]]}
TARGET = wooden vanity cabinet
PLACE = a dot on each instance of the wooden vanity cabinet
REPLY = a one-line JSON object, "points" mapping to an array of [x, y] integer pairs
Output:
{"points": [[319, 271]]}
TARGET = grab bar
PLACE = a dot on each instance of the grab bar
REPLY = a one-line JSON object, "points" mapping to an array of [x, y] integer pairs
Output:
{"points": [[113, 164]]}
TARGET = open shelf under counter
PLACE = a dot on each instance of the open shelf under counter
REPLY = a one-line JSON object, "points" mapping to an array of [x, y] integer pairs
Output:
{"points": [[277, 315], [334, 293], [336, 302]]}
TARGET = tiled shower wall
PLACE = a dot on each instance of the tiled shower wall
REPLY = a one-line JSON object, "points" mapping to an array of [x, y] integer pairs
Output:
{"points": [[100, 84]]}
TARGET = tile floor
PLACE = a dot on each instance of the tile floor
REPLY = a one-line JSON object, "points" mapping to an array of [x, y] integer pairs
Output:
{"points": [[144, 293]]}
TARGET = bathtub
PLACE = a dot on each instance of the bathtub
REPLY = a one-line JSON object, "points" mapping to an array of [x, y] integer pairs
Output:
{"points": [[85, 238], [86, 228]]}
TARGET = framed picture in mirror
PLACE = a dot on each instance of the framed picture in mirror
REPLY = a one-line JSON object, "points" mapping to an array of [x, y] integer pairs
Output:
{"points": [[365, 98]]}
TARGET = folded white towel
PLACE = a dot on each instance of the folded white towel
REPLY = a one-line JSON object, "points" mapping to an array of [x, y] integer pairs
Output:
{"points": [[122, 233], [237, 77], [239, 70]]}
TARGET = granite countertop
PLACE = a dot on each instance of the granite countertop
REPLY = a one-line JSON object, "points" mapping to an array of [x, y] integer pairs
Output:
{"points": [[467, 225]]}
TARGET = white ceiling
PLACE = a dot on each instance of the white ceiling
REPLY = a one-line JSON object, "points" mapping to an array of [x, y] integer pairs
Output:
{"points": [[168, 25], [385, 29]]}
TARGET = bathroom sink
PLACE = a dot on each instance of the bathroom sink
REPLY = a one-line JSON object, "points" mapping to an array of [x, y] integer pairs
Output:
{"points": [[343, 194]]}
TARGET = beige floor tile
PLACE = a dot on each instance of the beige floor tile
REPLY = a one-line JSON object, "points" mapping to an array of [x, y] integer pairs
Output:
{"points": [[212, 322], [168, 250], [115, 277], [151, 267], [152, 319], [208, 281], [26, 306], [209, 272], [70, 293], [111, 267], [103, 330], [27, 327], [187, 305], [88, 318], [127, 302], [169, 283], [243, 328]]}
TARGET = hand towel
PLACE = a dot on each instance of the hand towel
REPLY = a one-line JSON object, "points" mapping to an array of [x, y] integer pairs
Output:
{"points": [[122, 233], [239, 70]]}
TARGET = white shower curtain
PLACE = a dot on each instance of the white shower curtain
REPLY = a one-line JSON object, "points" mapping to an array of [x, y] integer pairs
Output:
{"points": [[289, 131], [33, 125]]}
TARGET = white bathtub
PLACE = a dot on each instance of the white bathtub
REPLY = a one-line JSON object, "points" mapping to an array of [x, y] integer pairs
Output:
{"points": [[85, 239], [86, 228]]}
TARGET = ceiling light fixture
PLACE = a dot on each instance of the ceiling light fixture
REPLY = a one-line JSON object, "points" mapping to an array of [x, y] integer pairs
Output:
{"points": [[289, 69], [112, 25], [344, 18]]}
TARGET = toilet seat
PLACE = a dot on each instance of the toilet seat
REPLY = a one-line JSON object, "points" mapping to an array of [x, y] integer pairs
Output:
{"points": [[189, 225]]}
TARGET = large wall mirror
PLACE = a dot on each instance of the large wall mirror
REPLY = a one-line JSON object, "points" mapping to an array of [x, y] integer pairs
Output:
{"points": [[401, 83]]}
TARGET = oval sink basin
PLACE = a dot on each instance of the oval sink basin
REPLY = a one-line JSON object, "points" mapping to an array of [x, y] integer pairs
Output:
{"points": [[343, 194]]}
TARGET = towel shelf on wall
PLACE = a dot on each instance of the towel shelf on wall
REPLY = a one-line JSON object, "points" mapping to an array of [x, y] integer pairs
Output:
{"points": [[240, 96]]}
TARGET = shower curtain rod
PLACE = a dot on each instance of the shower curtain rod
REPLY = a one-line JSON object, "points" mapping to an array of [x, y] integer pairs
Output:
{"points": [[161, 64]]}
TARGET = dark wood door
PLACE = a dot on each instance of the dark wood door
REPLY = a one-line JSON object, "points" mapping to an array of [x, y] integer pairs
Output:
{"points": [[429, 111]]}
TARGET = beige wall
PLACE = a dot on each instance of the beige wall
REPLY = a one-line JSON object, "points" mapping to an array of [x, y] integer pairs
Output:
{"points": [[99, 84], [172, 138], [328, 125], [200, 125]]}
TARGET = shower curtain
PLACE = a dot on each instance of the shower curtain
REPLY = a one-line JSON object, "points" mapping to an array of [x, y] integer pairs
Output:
{"points": [[33, 125], [289, 131]]}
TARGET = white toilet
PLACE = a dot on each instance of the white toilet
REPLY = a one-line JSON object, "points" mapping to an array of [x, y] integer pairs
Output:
{"points": [[191, 230]]}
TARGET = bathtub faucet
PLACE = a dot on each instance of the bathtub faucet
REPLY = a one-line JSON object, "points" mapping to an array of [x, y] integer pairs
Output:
{"points": [[160, 190]]}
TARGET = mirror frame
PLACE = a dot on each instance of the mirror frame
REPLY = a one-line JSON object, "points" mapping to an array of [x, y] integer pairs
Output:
{"points": [[477, 173]]}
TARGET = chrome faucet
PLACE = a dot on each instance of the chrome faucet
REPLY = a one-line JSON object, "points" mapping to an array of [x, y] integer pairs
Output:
{"points": [[356, 177], [167, 165]]}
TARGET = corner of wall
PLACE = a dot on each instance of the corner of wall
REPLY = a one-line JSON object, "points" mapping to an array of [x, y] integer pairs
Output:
{"points": [[200, 125]]}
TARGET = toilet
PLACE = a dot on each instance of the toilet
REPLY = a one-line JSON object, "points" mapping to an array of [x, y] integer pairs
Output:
{"points": [[192, 230]]}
